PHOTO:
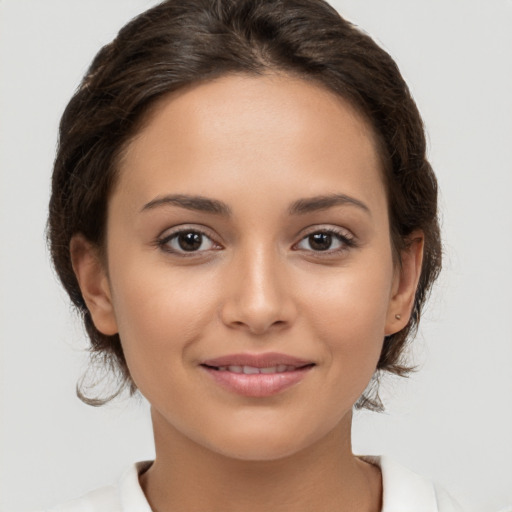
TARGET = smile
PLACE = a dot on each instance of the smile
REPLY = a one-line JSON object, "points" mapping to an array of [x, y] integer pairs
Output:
{"points": [[252, 370], [257, 375]]}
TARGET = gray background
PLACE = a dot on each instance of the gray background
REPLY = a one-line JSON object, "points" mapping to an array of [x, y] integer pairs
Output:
{"points": [[452, 421]]}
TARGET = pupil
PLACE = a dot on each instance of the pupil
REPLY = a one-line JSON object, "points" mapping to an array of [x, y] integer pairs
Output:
{"points": [[320, 241], [190, 241]]}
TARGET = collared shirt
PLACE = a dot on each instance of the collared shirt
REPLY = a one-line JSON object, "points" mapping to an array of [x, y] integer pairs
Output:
{"points": [[403, 491]]}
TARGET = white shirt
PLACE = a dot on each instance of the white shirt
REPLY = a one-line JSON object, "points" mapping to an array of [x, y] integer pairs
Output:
{"points": [[403, 491]]}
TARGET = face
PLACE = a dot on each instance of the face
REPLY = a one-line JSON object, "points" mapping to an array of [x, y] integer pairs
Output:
{"points": [[249, 265]]}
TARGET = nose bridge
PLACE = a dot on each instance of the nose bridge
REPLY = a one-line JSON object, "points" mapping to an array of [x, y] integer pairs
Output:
{"points": [[262, 278], [258, 297]]}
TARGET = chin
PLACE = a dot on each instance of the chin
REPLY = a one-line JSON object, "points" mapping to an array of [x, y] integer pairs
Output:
{"points": [[264, 443]]}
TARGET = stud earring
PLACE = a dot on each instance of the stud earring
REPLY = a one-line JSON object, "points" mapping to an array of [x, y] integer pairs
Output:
{"points": [[397, 316]]}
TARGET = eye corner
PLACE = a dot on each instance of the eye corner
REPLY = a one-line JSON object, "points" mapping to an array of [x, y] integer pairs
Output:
{"points": [[199, 242], [326, 237]]}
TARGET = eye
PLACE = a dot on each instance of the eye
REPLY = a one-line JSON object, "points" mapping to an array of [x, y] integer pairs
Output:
{"points": [[187, 241], [326, 240]]}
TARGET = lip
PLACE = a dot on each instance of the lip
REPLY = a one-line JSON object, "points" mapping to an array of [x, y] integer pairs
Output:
{"points": [[257, 385], [265, 360]]}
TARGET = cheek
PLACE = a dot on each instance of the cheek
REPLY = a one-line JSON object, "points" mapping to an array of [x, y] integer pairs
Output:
{"points": [[160, 312], [352, 299], [348, 312]]}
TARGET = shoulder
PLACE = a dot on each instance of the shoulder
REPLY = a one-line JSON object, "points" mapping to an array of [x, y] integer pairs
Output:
{"points": [[125, 496], [406, 491]]}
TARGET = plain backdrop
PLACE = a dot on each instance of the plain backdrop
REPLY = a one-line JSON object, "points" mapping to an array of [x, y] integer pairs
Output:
{"points": [[451, 421]]}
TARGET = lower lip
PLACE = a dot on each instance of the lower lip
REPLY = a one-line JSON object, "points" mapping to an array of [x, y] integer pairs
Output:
{"points": [[258, 384]]}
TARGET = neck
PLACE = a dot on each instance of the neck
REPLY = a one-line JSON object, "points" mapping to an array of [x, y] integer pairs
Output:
{"points": [[324, 477]]}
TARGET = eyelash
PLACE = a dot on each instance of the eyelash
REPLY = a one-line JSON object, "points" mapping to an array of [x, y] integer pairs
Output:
{"points": [[163, 243], [346, 240]]}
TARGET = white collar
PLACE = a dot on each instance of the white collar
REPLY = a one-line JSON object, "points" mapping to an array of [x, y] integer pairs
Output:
{"points": [[402, 489], [131, 495]]}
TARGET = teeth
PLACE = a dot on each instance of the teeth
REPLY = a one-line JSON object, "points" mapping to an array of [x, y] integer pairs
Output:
{"points": [[251, 370]]}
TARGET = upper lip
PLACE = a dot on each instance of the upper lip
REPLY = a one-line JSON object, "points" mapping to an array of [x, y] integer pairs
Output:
{"points": [[266, 360]]}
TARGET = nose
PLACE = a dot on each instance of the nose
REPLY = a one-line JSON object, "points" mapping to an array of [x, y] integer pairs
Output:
{"points": [[258, 293]]}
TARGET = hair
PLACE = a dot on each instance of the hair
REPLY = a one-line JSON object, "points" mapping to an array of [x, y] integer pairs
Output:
{"points": [[175, 44]]}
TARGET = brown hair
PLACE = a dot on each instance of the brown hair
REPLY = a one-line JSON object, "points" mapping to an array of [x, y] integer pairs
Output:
{"points": [[179, 43]]}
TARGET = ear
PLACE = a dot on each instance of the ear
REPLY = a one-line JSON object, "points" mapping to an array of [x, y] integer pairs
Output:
{"points": [[405, 282], [94, 284]]}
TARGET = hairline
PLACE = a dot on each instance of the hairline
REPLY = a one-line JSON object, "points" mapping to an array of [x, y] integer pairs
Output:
{"points": [[267, 69]]}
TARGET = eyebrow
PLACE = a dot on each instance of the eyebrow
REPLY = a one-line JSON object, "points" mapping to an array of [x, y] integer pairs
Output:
{"points": [[299, 207], [318, 203], [198, 203]]}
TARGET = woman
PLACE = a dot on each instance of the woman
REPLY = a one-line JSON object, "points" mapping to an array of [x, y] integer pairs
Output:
{"points": [[243, 213]]}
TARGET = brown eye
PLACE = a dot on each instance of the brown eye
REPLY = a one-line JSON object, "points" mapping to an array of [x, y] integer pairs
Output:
{"points": [[326, 241], [320, 241], [190, 241], [187, 241]]}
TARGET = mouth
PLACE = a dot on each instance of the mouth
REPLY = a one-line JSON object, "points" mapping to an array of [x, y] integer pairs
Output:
{"points": [[257, 375], [253, 370]]}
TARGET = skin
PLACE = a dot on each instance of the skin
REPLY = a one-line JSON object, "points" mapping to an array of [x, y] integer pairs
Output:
{"points": [[257, 284]]}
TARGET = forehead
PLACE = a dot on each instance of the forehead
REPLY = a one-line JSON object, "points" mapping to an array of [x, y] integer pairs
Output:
{"points": [[259, 131]]}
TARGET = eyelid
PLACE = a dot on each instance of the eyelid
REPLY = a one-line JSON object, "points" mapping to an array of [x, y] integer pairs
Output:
{"points": [[326, 228], [345, 236], [167, 235]]}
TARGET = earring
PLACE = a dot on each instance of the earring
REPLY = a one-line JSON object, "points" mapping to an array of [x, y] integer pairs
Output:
{"points": [[397, 316]]}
